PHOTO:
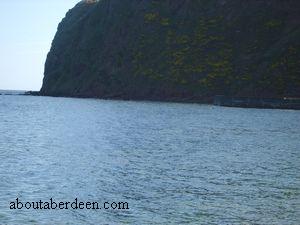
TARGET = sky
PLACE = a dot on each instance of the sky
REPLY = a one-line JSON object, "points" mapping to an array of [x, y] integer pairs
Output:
{"points": [[27, 30]]}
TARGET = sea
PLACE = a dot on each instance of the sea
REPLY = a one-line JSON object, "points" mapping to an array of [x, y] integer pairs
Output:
{"points": [[171, 163]]}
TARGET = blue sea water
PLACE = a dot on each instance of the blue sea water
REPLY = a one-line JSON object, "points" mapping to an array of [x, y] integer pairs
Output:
{"points": [[173, 163]]}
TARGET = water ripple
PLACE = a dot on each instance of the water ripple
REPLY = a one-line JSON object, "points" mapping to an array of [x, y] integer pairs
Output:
{"points": [[174, 163]]}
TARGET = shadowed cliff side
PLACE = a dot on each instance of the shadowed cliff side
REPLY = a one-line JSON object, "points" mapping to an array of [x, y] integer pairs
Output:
{"points": [[185, 50]]}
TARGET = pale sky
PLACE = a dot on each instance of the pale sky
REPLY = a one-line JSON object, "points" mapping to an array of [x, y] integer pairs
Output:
{"points": [[27, 30]]}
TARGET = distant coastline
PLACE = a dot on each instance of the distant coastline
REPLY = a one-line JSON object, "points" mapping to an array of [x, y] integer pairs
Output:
{"points": [[12, 92]]}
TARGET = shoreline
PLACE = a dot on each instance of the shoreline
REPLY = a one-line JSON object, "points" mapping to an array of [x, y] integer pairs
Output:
{"points": [[223, 101], [257, 102], [208, 101]]}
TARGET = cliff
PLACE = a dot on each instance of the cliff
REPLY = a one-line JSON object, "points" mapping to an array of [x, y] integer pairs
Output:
{"points": [[189, 50]]}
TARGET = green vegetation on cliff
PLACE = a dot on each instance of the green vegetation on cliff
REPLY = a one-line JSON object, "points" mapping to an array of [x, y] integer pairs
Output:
{"points": [[176, 50]]}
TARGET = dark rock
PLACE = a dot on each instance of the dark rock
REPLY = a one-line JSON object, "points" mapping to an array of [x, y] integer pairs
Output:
{"points": [[185, 50]]}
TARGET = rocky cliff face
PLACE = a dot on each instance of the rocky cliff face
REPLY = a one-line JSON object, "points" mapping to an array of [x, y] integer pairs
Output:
{"points": [[176, 50]]}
